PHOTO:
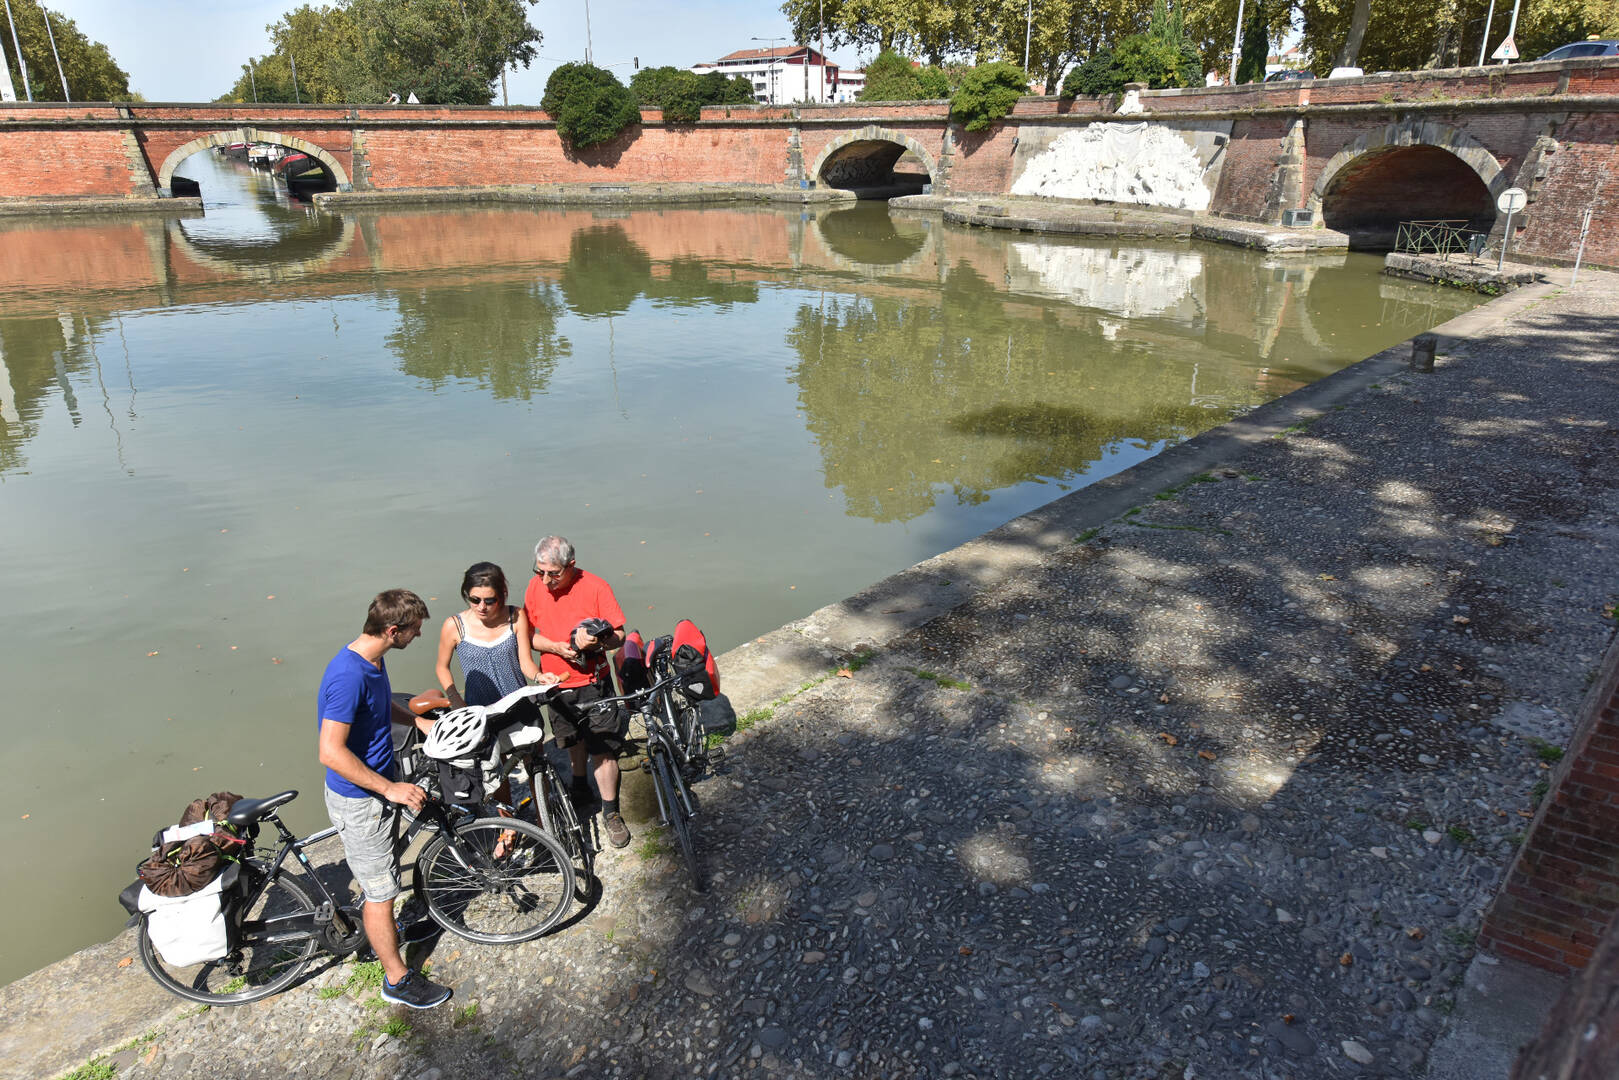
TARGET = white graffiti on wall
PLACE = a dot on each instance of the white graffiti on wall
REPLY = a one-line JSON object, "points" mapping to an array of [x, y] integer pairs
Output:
{"points": [[1123, 163]]}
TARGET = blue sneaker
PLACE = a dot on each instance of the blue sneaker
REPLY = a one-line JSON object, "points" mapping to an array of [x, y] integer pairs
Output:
{"points": [[416, 991]]}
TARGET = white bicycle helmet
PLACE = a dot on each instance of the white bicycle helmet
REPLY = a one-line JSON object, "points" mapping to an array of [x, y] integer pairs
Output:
{"points": [[456, 734]]}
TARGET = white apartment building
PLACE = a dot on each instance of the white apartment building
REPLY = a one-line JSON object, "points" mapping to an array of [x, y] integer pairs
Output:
{"points": [[788, 74]]}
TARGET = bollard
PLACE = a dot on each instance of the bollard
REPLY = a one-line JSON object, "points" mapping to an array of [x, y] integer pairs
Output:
{"points": [[1422, 349]]}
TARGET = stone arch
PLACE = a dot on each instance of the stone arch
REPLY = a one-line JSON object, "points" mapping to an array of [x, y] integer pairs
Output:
{"points": [[886, 146], [1429, 161], [165, 175]]}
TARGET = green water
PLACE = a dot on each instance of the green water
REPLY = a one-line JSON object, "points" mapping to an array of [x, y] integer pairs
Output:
{"points": [[221, 435]]}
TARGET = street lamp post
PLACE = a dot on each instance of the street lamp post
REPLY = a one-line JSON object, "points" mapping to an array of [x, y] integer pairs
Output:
{"points": [[43, 10], [1028, 32]]}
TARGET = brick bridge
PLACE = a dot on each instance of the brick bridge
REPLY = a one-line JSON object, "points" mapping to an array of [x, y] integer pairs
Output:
{"points": [[1361, 153]]}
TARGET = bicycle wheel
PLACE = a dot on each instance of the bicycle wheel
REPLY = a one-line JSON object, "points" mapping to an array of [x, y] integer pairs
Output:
{"points": [[693, 738], [498, 901], [562, 822], [275, 944], [671, 799]]}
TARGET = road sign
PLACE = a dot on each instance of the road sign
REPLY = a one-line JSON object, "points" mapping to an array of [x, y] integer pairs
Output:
{"points": [[1512, 200], [1505, 51]]}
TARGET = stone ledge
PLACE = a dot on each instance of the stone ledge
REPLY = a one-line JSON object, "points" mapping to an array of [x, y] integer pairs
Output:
{"points": [[97, 205]]}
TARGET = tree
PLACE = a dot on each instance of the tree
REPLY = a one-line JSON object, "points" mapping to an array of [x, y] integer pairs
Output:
{"points": [[92, 74], [443, 51], [322, 42], [589, 104], [892, 77], [987, 93], [1164, 57], [1255, 45], [934, 29], [682, 94]]}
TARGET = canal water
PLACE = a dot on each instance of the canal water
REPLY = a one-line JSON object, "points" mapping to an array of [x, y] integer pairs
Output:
{"points": [[220, 435]]}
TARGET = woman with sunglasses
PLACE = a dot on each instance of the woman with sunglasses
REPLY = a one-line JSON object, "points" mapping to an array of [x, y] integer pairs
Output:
{"points": [[485, 639]]}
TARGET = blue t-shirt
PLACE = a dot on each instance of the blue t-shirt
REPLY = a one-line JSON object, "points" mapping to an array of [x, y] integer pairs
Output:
{"points": [[354, 691]]}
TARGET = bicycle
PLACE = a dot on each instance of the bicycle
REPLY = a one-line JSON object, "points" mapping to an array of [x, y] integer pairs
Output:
{"points": [[513, 749], [676, 752], [276, 928]]}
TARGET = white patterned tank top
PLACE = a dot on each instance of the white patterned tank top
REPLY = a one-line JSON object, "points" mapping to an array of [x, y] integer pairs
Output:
{"points": [[489, 669]]}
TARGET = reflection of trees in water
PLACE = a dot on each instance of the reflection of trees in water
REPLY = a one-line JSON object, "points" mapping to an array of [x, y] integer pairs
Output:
{"points": [[40, 357], [970, 395], [503, 335], [607, 272]]}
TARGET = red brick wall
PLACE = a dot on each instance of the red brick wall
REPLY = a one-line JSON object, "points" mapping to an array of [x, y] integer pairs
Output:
{"points": [[1250, 167], [64, 164], [1580, 1039], [1563, 887], [1582, 172]]}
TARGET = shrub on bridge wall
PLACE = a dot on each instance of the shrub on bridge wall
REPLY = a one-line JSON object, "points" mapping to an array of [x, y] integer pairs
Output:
{"points": [[892, 77], [987, 93], [682, 94], [589, 104]]}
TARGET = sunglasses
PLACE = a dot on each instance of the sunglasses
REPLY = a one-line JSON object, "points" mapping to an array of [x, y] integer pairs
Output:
{"points": [[550, 575], [480, 601]]}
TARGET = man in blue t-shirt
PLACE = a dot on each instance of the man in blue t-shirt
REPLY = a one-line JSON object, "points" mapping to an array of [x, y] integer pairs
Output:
{"points": [[363, 794]]}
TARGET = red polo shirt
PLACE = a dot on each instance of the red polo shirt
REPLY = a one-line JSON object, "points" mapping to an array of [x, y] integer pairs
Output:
{"points": [[554, 615]]}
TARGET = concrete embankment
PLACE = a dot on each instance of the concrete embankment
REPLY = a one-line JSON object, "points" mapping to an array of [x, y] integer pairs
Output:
{"points": [[1207, 769], [1068, 217]]}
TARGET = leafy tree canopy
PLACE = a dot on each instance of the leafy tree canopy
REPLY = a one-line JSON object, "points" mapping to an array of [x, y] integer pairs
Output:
{"points": [[92, 74], [589, 104], [443, 51], [682, 94], [1164, 57], [892, 77], [987, 93]]}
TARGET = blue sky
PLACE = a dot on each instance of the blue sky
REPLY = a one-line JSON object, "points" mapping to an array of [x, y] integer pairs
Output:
{"points": [[192, 50]]}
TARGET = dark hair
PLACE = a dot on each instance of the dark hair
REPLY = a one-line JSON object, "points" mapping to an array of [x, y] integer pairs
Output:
{"points": [[483, 575], [395, 607]]}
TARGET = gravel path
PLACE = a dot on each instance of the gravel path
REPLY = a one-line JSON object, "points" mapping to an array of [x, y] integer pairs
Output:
{"points": [[1218, 791]]}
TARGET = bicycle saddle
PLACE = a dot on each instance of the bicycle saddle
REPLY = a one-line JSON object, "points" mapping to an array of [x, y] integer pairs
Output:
{"points": [[247, 811], [422, 704]]}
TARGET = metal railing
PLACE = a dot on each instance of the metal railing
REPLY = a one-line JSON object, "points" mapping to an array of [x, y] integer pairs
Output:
{"points": [[1442, 238]]}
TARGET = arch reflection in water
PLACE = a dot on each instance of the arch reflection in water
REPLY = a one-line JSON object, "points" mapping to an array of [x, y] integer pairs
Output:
{"points": [[251, 228], [866, 235]]}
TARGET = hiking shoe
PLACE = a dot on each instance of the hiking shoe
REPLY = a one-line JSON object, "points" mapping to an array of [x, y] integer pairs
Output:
{"points": [[618, 833], [415, 990]]}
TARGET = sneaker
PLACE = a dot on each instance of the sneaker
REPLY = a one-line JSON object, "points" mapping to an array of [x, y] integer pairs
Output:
{"points": [[415, 990], [618, 833]]}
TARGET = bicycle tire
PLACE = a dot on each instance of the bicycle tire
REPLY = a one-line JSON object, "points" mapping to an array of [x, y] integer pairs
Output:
{"points": [[669, 797], [501, 901], [264, 961], [564, 824]]}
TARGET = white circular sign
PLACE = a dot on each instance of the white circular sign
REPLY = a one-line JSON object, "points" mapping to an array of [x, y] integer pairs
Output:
{"points": [[1512, 200]]}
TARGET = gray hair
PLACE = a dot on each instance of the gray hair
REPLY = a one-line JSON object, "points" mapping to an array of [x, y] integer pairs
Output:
{"points": [[554, 550]]}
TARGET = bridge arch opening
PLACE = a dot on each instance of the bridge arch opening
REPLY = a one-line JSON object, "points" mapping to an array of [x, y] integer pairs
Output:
{"points": [[1408, 172], [298, 163], [875, 163]]}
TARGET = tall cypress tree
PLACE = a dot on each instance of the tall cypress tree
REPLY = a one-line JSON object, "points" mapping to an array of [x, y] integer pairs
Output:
{"points": [[1255, 44]]}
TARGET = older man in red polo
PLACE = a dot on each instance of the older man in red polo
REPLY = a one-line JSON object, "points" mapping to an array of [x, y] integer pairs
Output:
{"points": [[559, 599]]}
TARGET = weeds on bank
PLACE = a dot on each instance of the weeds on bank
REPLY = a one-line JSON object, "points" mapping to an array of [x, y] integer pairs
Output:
{"points": [[653, 843], [940, 680], [1538, 792], [1546, 752], [95, 1069]]}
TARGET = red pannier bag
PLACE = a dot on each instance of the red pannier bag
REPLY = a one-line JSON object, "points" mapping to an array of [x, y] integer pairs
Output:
{"points": [[688, 654]]}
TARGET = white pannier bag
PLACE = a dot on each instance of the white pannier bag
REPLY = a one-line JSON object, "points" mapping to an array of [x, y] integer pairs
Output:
{"points": [[187, 930]]}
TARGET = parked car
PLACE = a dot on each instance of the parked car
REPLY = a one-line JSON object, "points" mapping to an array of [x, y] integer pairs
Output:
{"points": [[1580, 49], [1289, 73]]}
